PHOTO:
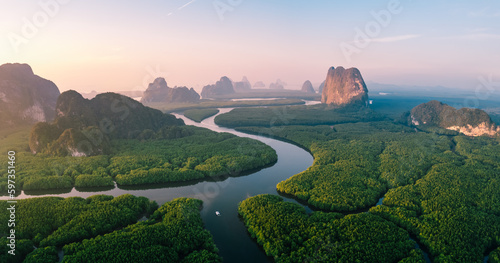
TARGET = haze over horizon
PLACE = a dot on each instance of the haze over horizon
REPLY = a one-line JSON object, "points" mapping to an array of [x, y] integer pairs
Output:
{"points": [[114, 46]]}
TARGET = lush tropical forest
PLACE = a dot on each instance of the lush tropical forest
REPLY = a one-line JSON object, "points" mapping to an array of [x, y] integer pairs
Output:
{"points": [[106, 229], [210, 104], [288, 234], [295, 115], [494, 256], [442, 189], [172, 154], [199, 115]]}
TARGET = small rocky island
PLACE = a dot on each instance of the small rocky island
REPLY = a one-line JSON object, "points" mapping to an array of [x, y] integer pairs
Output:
{"points": [[471, 122], [158, 91], [308, 87], [344, 86], [222, 87]]}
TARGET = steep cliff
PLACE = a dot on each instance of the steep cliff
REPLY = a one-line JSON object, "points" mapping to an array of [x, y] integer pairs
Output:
{"points": [[25, 98], [243, 85], [308, 87], [222, 87], [344, 86]]}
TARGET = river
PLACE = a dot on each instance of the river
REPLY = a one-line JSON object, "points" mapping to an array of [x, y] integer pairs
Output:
{"points": [[229, 232]]}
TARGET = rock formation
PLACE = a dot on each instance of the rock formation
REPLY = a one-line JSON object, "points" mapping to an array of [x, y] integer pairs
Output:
{"points": [[308, 87], [471, 122], [243, 85], [259, 84], [344, 86], [223, 87], [158, 91], [85, 127], [25, 98], [277, 85], [321, 87]]}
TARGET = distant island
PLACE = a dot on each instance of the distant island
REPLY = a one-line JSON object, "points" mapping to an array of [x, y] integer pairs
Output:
{"points": [[308, 87], [471, 122], [158, 91], [222, 87]]}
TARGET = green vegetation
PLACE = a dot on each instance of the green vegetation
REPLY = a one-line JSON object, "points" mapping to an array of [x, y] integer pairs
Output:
{"points": [[270, 93], [23, 248], [457, 200], [210, 104], [494, 256], [42, 255], [288, 234], [443, 189], [438, 114], [173, 154], [355, 164], [105, 229], [87, 127], [200, 155], [199, 115], [93, 180], [174, 233], [53, 221], [295, 115], [495, 117]]}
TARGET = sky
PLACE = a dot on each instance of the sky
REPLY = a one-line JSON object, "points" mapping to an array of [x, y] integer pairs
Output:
{"points": [[123, 45]]}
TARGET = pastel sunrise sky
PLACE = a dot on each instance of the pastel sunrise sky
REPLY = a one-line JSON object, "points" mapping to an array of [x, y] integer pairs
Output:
{"points": [[123, 45]]}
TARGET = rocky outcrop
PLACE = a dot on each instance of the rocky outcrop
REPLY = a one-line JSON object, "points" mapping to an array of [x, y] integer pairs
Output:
{"points": [[308, 87], [259, 84], [344, 86], [243, 85], [85, 127], [25, 98], [158, 91], [222, 87], [277, 85], [471, 122], [321, 87]]}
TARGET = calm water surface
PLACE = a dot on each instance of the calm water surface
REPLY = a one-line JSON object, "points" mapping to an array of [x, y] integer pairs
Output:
{"points": [[229, 232]]}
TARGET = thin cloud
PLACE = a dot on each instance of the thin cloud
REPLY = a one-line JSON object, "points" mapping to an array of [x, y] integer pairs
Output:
{"points": [[188, 3], [395, 38], [390, 39]]}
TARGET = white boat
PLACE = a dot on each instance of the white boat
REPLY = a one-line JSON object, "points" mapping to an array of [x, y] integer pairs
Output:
{"points": [[217, 213]]}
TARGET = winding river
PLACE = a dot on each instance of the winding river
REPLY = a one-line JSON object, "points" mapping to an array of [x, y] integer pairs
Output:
{"points": [[229, 233]]}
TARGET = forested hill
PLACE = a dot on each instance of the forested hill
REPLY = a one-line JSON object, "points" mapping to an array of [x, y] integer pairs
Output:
{"points": [[84, 127], [471, 122]]}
